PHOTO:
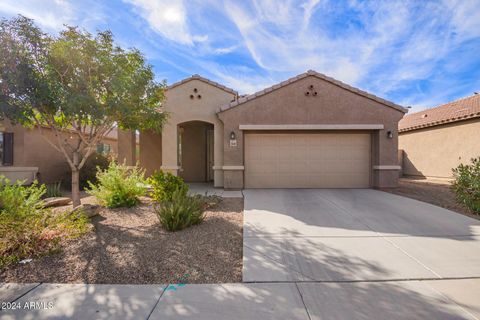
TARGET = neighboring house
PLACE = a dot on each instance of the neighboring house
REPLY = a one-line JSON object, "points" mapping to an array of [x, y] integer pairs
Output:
{"points": [[310, 131], [25, 155], [438, 139]]}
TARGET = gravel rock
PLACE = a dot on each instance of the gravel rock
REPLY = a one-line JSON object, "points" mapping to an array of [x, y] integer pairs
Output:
{"points": [[436, 193], [128, 246]]}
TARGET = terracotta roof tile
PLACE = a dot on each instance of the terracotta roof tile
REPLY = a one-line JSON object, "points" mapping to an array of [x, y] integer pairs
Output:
{"points": [[320, 76], [462, 109], [198, 77]]}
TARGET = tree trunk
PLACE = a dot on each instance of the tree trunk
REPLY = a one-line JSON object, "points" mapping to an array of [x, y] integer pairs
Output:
{"points": [[76, 188], [75, 181]]}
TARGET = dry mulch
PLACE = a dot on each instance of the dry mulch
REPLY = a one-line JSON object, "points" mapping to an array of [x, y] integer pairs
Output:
{"points": [[128, 246], [436, 193]]}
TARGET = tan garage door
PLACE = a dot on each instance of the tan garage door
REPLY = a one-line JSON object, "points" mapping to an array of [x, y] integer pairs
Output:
{"points": [[307, 160]]}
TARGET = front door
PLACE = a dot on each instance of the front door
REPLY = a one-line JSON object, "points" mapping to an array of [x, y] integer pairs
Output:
{"points": [[210, 154]]}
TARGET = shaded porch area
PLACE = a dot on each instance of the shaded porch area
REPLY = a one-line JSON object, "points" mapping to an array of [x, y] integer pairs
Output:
{"points": [[195, 151]]}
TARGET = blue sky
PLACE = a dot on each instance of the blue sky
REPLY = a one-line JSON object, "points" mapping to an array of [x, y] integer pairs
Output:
{"points": [[415, 53]]}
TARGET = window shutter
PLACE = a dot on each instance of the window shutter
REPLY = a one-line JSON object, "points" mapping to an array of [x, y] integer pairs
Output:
{"points": [[7, 149]]}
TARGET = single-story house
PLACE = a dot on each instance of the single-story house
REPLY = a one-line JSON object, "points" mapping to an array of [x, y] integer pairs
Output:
{"points": [[26, 155], [310, 131], [438, 139]]}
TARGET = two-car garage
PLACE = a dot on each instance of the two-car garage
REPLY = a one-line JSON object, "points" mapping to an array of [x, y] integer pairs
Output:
{"points": [[307, 160], [310, 131]]}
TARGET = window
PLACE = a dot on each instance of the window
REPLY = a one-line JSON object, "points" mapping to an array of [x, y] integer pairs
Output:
{"points": [[6, 148], [103, 148]]}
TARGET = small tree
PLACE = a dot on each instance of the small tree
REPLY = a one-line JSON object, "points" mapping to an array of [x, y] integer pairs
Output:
{"points": [[77, 85]]}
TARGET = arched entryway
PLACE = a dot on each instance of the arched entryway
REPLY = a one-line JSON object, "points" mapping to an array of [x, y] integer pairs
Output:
{"points": [[195, 144]]}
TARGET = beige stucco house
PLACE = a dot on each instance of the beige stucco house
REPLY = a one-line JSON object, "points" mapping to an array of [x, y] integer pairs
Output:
{"points": [[436, 140], [310, 131], [26, 155]]}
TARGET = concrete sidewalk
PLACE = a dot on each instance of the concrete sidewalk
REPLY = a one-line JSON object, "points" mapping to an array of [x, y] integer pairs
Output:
{"points": [[433, 299]]}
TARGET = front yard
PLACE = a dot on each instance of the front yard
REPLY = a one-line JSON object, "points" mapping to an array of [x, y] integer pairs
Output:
{"points": [[128, 245], [437, 193]]}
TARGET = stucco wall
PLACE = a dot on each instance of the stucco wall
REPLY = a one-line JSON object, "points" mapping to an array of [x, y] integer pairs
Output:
{"points": [[433, 152], [127, 147], [332, 105], [182, 108], [30, 149], [150, 151]]}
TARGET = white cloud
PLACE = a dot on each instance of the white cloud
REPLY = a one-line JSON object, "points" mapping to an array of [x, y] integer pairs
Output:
{"points": [[465, 17], [225, 50], [410, 51], [169, 19], [378, 45], [50, 14]]}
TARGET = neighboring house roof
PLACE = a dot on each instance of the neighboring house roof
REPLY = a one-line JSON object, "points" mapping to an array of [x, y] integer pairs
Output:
{"points": [[338, 83], [200, 78], [462, 109]]}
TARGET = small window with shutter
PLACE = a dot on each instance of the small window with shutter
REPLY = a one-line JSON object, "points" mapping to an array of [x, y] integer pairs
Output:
{"points": [[6, 148]]}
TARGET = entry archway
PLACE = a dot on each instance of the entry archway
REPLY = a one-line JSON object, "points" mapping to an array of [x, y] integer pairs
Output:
{"points": [[195, 145]]}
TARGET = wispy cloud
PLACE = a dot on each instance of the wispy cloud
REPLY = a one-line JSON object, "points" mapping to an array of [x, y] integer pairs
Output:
{"points": [[46, 13], [168, 18], [417, 53]]}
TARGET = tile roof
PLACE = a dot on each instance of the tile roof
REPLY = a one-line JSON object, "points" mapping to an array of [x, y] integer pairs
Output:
{"points": [[462, 109], [198, 77], [242, 100]]}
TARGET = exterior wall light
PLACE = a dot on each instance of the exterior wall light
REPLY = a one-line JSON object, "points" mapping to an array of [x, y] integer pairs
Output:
{"points": [[389, 134], [232, 135]]}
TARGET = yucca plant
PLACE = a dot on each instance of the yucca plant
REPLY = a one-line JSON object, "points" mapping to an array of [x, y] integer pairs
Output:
{"points": [[181, 212], [53, 190]]}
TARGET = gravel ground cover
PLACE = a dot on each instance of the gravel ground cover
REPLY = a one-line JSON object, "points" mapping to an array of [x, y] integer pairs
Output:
{"points": [[436, 193], [128, 246]]}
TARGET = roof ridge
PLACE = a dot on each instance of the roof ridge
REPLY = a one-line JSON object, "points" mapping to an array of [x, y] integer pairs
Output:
{"points": [[319, 75], [196, 76], [444, 104]]}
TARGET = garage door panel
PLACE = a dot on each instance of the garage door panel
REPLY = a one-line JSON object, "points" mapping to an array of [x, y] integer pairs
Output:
{"points": [[307, 160]]}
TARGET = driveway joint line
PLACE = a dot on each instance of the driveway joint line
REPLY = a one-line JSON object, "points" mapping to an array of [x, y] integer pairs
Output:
{"points": [[364, 281], [451, 300], [413, 258], [24, 294], [386, 239], [378, 235], [158, 300], [348, 213], [303, 302], [288, 267]]}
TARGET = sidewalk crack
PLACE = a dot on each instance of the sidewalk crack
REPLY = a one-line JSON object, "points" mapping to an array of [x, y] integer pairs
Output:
{"points": [[158, 300], [24, 294], [304, 305]]}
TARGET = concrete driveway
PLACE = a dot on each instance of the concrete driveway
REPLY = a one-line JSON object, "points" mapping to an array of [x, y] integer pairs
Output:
{"points": [[354, 235]]}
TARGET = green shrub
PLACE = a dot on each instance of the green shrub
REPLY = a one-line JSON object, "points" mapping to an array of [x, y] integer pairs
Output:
{"points": [[118, 186], [164, 185], [26, 228], [466, 184], [180, 212], [16, 199], [54, 189], [94, 163]]}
